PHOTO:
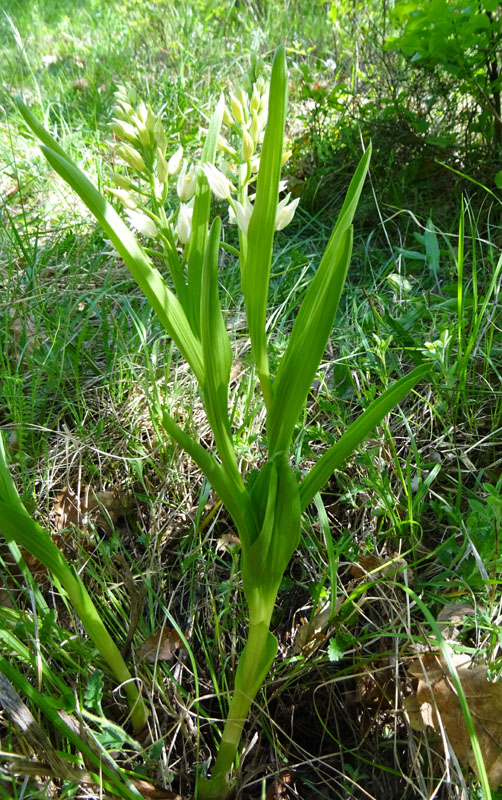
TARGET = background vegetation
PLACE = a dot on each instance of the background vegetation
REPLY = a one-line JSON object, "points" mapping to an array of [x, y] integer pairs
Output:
{"points": [[80, 352]]}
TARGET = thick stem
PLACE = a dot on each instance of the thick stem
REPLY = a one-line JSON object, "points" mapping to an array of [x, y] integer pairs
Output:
{"points": [[249, 679]]}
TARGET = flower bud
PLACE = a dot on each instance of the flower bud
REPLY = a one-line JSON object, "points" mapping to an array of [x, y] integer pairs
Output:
{"points": [[285, 212], [131, 157], [285, 156], [142, 132], [187, 183], [124, 197], [254, 128], [150, 121], [159, 136], [174, 163], [243, 215], [184, 223], [119, 180], [162, 167], [247, 146], [237, 110], [124, 130], [142, 111], [254, 104]]}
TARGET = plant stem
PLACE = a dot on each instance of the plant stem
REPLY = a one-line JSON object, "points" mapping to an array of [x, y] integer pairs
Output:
{"points": [[249, 677]]}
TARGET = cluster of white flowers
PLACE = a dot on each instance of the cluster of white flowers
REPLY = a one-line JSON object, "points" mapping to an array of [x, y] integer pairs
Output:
{"points": [[143, 144]]}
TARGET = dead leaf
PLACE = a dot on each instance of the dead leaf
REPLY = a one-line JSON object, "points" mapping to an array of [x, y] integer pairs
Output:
{"points": [[380, 566], [23, 331], [278, 789], [226, 541], [160, 646], [451, 618], [435, 702], [85, 507], [151, 792]]}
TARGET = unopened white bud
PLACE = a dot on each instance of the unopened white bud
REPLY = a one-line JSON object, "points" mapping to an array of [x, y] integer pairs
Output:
{"points": [[174, 163]]}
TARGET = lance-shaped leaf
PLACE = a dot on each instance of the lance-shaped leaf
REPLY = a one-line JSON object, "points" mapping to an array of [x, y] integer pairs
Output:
{"points": [[356, 433], [307, 342], [200, 220], [256, 267], [217, 355], [164, 302], [314, 322]]}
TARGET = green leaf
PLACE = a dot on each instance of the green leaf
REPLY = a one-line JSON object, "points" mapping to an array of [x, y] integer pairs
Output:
{"points": [[94, 690], [200, 221], [217, 355], [256, 267], [307, 342], [165, 304], [356, 433]]}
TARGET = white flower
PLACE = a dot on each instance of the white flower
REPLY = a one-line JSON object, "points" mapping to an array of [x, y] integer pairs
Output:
{"points": [[242, 215], [218, 182], [187, 183], [184, 223], [174, 162], [142, 223], [285, 212]]}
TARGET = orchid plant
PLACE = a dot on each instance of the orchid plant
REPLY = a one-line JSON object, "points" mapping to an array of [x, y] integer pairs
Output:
{"points": [[168, 201]]}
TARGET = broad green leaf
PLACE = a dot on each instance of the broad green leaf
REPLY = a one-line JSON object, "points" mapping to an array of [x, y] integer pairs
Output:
{"points": [[314, 322], [307, 342], [356, 433], [275, 496], [164, 302], [200, 221], [217, 355], [234, 497], [256, 267]]}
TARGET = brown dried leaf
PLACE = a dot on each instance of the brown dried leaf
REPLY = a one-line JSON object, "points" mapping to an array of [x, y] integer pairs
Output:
{"points": [[278, 789], [451, 618], [381, 567], [81, 508], [151, 792], [436, 702], [226, 541], [160, 646]]}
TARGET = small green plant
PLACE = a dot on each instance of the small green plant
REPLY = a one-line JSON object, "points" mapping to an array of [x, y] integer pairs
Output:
{"points": [[267, 508]]}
